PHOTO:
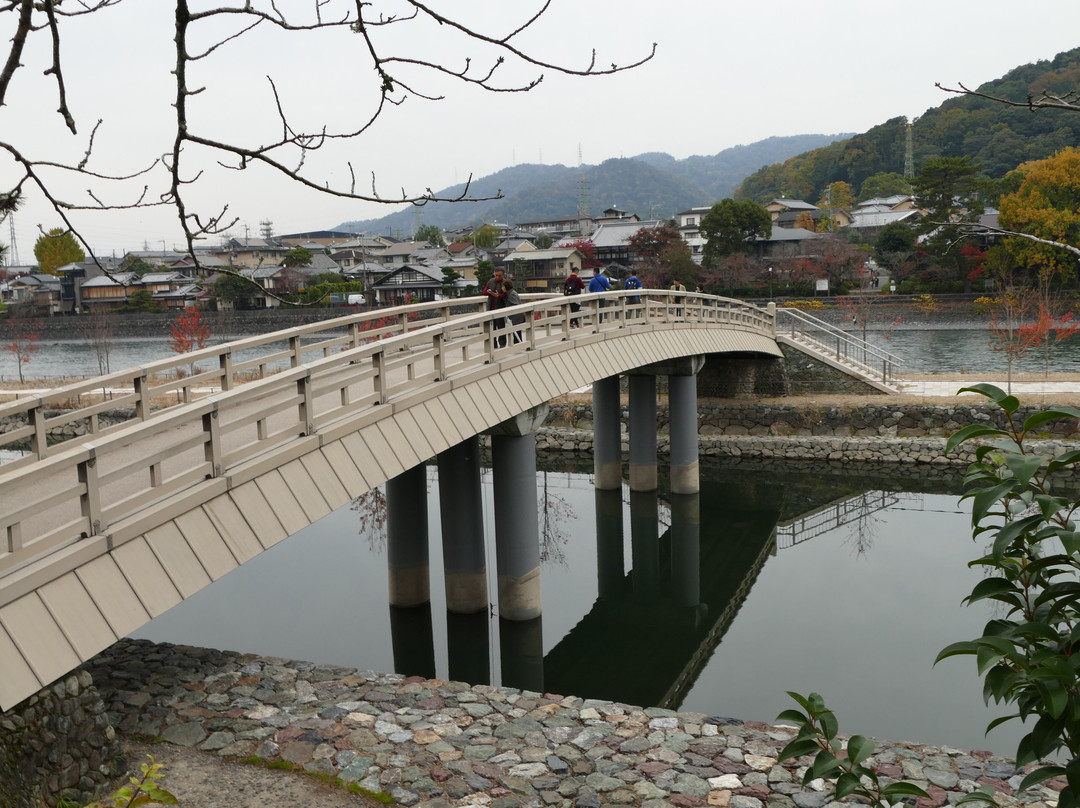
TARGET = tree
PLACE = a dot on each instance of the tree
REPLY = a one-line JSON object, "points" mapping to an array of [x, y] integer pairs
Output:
{"points": [[883, 185], [649, 247], [732, 227], [431, 234], [450, 275], [189, 332], [486, 235], [485, 270], [297, 257], [20, 339], [57, 248], [948, 189], [1047, 205], [285, 142], [543, 241], [234, 290], [837, 195], [588, 253], [678, 265], [133, 263]]}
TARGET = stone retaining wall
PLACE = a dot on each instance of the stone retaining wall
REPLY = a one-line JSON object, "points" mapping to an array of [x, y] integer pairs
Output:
{"points": [[57, 744], [738, 418]]}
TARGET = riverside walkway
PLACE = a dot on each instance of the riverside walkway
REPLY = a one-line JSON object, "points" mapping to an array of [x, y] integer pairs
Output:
{"points": [[102, 533]]}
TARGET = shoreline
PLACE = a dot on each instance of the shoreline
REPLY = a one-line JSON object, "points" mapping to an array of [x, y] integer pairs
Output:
{"points": [[434, 743]]}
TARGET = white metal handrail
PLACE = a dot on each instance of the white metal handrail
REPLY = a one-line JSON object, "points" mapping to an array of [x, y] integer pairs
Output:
{"points": [[845, 347], [88, 496]]}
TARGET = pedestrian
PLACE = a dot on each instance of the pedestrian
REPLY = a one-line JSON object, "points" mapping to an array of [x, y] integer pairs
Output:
{"points": [[574, 285], [676, 286], [496, 296], [633, 283], [513, 299], [598, 283]]}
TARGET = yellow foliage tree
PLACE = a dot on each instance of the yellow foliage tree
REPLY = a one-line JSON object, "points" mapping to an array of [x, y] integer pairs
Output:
{"points": [[1046, 205], [57, 248]]}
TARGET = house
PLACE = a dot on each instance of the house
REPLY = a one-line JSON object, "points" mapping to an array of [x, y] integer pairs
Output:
{"points": [[409, 283], [611, 241], [688, 223], [104, 293], [542, 270], [317, 239], [784, 205], [401, 253], [249, 253], [36, 289], [785, 241], [791, 218], [578, 224]]}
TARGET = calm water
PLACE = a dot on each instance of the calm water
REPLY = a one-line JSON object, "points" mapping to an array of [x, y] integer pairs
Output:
{"points": [[922, 351], [639, 612]]}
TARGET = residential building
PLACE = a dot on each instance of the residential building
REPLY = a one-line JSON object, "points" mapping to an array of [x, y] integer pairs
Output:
{"points": [[542, 270]]}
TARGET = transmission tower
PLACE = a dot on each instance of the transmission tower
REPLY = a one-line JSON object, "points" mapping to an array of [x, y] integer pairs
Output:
{"points": [[266, 229], [909, 154], [13, 248]]}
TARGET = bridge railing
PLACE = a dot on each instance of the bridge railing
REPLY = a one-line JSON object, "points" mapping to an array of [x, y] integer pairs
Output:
{"points": [[836, 342], [87, 496]]}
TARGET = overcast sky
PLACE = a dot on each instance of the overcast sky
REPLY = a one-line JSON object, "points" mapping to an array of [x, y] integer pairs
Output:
{"points": [[725, 73]]}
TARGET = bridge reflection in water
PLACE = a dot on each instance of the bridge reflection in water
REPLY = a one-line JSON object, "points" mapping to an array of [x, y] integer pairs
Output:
{"points": [[672, 573]]}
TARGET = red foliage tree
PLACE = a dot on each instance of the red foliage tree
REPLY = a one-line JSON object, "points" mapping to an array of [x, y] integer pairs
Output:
{"points": [[190, 332], [588, 251], [1046, 331], [651, 249], [21, 339]]}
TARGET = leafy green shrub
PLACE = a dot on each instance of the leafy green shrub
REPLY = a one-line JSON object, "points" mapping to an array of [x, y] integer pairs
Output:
{"points": [[142, 791], [1030, 658]]}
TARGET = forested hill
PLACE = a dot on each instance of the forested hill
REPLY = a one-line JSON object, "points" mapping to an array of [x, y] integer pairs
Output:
{"points": [[650, 185], [997, 136]]}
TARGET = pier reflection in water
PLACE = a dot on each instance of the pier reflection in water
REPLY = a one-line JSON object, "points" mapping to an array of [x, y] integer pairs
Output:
{"points": [[640, 594]]}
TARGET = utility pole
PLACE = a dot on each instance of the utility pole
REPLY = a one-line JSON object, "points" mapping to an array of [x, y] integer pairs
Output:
{"points": [[909, 154]]}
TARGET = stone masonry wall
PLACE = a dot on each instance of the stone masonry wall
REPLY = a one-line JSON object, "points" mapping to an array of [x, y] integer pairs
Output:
{"points": [[57, 744]]}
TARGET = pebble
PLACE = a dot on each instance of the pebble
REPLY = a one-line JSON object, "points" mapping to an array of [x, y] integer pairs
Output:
{"points": [[433, 743]]}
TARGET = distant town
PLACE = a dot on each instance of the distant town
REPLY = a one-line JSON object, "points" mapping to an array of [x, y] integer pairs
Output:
{"points": [[354, 269]]}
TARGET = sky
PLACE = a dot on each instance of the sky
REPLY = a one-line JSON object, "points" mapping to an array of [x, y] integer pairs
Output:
{"points": [[724, 74]]}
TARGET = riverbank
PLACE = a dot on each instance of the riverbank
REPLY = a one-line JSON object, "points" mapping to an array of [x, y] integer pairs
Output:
{"points": [[433, 743]]}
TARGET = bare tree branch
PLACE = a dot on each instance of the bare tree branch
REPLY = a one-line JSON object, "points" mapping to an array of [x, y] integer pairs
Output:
{"points": [[1069, 101]]}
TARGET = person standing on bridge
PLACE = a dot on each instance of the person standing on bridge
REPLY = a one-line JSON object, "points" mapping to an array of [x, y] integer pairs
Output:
{"points": [[598, 283], [496, 297], [574, 285], [513, 299]]}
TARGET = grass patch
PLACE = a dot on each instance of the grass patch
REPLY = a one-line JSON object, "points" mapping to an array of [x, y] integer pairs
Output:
{"points": [[329, 779]]}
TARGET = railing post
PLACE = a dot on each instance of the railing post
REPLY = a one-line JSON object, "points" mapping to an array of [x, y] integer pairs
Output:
{"points": [[142, 398], [90, 498], [354, 335], [403, 319], [306, 410], [438, 355], [378, 361], [296, 358], [225, 363], [489, 341], [212, 449], [39, 441], [771, 311]]}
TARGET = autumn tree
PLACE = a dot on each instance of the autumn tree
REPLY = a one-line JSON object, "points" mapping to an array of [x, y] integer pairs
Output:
{"points": [[57, 248], [391, 62], [732, 227], [189, 332], [837, 195], [20, 339], [647, 248], [588, 253], [133, 263], [805, 221], [1047, 205]]}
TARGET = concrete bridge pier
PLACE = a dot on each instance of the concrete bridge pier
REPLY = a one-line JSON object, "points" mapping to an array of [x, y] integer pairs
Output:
{"points": [[412, 640], [521, 657], [468, 651], [642, 432], [461, 509], [683, 431], [517, 538], [607, 437], [407, 538], [609, 544]]}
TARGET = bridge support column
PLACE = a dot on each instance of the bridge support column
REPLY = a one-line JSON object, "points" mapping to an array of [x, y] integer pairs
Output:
{"points": [[642, 432], [413, 641], [467, 649], [607, 438], [462, 510], [609, 544], [683, 430], [517, 539], [521, 644], [407, 538]]}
